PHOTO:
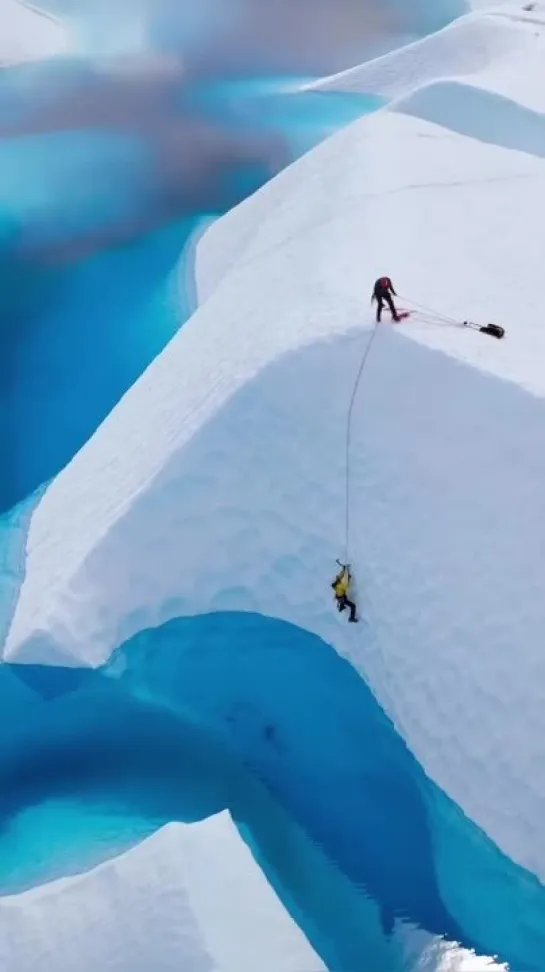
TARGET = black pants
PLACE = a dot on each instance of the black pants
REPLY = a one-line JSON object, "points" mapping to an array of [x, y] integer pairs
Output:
{"points": [[386, 297], [343, 602]]}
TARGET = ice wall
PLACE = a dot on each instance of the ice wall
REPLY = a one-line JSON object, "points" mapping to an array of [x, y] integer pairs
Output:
{"points": [[219, 482], [190, 896]]}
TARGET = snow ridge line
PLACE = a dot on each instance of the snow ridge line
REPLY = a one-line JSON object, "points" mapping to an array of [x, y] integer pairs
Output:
{"points": [[381, 75]]}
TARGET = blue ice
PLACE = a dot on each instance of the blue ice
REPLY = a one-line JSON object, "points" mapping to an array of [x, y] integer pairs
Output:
{"points": [[77, 328], [240, 711]]}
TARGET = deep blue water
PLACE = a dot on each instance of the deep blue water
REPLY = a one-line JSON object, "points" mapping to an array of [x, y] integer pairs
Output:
{"points": [[91, 329], [164, 115], [97, 236], [14, 525], [240, 711]]}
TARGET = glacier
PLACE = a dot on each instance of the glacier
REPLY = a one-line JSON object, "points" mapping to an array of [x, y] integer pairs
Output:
{"points": [[29, 34], [108, 176], [222, 914], [116, 153], [197, 532]]}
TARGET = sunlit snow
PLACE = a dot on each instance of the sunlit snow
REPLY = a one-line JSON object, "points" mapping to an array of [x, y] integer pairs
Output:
{"points": [[167, 603]]}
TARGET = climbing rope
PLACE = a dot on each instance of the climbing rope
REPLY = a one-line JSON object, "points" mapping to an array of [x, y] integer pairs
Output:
{"points": [[433, 316], [430, 315], [427, 315], [361, 369]]}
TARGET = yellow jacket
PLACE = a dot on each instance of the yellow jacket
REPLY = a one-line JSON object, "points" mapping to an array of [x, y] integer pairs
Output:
{"points": [[341, 585]]}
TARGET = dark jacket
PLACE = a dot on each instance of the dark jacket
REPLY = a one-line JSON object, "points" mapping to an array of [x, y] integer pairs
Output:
{"points": [[383, 287]]}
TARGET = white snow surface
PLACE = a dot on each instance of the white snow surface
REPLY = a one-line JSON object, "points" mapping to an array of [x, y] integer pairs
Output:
{"points": [[219, 480], [496, 51], [28, 34], [191, 898]]}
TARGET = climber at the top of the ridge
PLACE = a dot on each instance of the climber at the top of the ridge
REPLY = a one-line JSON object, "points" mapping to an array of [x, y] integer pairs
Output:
{"points": [[383, 285], [382, 293]]}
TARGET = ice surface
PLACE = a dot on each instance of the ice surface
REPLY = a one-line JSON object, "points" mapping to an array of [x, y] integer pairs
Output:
{"points": [[191, 897], [290, 270], [27, 33], [218, 482], [498, 52], [238, 710]]}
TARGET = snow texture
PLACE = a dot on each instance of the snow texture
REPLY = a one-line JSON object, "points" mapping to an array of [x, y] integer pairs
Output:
{"points": [[28, 34], [218, 483], [195, 889]]}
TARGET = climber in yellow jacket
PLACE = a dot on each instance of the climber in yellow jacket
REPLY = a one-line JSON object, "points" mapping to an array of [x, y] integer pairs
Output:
{"points": [[341, 587]]}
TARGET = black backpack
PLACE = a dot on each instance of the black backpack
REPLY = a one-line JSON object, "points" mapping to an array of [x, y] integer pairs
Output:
{"points": [[494, 330]]}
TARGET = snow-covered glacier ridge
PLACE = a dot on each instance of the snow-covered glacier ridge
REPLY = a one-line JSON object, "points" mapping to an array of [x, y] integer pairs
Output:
{"points": [[197, 532], [160, 116]]}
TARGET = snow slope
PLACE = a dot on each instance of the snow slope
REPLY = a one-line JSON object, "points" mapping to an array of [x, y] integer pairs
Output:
{"points": [[27, 34], [218, 483], [497, 51], [190, 897]]}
